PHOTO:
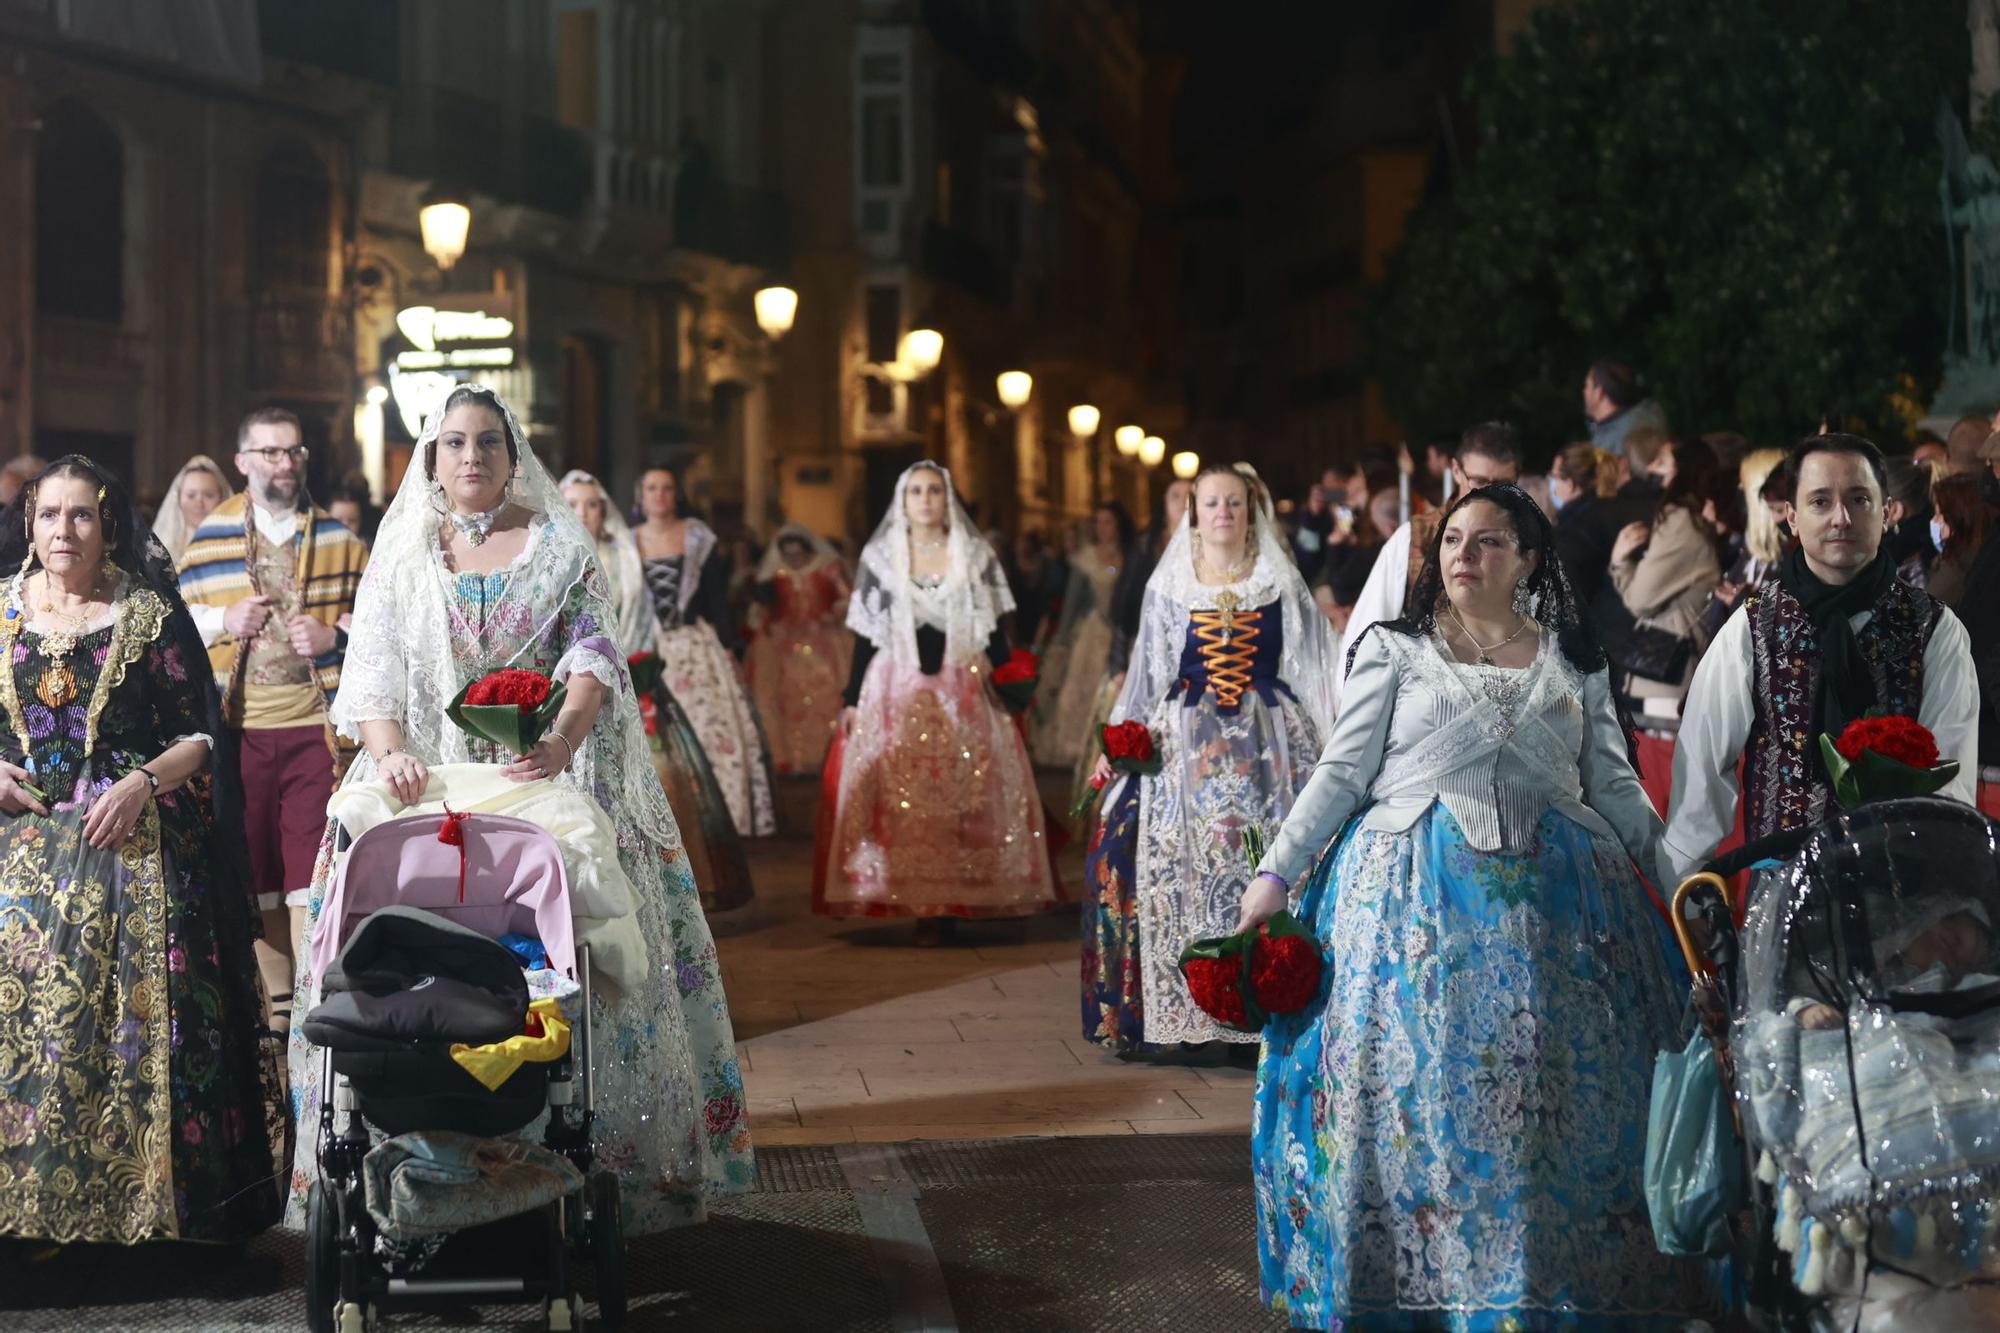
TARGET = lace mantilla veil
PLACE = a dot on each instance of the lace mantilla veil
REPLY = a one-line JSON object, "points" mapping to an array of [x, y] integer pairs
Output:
{"points": [[635, 619], [400, 664], [774, 556], [1310, 653], [974, 593]]}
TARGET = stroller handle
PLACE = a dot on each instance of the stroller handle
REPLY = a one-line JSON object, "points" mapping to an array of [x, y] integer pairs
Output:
{"points": [[1773, 846], [1697, 961]]}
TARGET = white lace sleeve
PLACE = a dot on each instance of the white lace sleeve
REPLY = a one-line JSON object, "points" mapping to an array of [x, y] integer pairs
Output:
{"points": [[201, 736], [1610, 786], [589, 658], [1155, 654]]}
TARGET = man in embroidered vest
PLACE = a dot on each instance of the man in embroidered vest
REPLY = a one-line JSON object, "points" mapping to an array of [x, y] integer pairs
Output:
{"points": [[268, 577], [1833, 636], [1487, 454]]}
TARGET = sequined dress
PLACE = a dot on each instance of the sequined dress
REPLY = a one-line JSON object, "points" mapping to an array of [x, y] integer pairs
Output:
{"points": [[136, 1102], [937, 812], [798, 663], [671, 1114]]}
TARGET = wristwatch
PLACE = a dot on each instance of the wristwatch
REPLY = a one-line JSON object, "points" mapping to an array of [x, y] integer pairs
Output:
{"points": [[152, 778]]}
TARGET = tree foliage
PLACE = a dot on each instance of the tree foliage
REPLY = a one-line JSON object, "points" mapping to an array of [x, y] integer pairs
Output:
{"points": [[1738, 197]]}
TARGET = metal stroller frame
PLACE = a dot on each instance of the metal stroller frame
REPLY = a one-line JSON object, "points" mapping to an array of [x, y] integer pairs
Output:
{"points": [[348, 1289]]}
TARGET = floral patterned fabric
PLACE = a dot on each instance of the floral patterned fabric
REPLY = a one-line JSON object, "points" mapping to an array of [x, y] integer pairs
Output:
{"points": [[1112, 1012], [799, 663], [135, 1100], [1453, 1135], [671, 1116], [703, 677]]}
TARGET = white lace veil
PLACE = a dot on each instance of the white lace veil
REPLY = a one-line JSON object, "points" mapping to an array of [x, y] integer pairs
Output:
{"points": [[774, 558], [400, 664], [1309, 657], [618, 552], [975, 593], [169, 525]]}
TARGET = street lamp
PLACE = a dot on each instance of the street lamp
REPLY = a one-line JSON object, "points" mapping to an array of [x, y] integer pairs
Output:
{"points": [[445, 221], [1151, 450], [776, 307], [1015, 387], [921, 350], [1083, 419], [1186, 464], [1128, 439]]}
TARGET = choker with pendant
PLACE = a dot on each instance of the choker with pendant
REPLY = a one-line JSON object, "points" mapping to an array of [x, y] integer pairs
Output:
{"points": [[476, 527]]}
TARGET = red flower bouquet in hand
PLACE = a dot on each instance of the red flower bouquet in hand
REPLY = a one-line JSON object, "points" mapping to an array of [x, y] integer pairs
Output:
{"points": [[1129, 749], [1241, 980], [511, 708], [1015, 680], [1882, 758]]}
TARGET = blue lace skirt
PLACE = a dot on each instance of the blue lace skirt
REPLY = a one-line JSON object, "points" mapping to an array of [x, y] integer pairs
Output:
{"points": [[1452, 1137]]}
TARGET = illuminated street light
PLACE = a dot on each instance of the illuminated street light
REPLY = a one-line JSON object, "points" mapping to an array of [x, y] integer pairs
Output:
{"points": [[1083, 419], [921, 350], [777, 307], [445, 222], [1151, 450], [1128, 439], [1015, 387], [1186, 464]]}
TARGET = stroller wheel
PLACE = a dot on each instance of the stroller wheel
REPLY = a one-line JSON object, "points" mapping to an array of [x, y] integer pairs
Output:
{"points": [[322, 1260], [607, 1248]]}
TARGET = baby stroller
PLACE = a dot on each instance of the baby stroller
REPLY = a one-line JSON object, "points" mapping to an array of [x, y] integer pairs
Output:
{"points": [[1856, 1011], [428, 1196]]}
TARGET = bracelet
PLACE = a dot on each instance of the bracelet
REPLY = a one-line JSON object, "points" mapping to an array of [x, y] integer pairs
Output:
{"points": [[383, 757], [558, 736], [1275, 878]]}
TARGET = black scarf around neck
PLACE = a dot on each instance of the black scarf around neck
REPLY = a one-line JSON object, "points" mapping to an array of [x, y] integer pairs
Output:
{"points": [[1846, 685]]}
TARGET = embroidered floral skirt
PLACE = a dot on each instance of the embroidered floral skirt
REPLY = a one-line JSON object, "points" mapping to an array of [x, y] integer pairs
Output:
{"points": [[715, 852], [1112, 1013], [1453, 1135], [1062, 716], [136, 1102], [703, 677], [936, 812]]}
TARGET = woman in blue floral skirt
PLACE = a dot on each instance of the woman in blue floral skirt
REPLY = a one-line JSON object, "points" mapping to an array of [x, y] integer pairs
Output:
{"points": [[1452, 1136]]}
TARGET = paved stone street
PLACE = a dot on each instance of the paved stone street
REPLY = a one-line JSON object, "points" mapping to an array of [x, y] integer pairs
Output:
{"points": [[938, 1149]]}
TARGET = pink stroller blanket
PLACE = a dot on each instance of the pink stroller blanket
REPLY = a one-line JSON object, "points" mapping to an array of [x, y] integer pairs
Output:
{"points": [[511, 873]]}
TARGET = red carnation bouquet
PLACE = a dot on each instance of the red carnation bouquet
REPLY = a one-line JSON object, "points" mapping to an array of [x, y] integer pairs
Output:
{"points": [[510, 708], [1129, 748], [646, 669], [1015, 680], [1241, 980], [1882, 757]]}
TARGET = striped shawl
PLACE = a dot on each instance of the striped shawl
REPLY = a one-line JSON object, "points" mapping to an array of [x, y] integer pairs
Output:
{"points": [[215, 571]]}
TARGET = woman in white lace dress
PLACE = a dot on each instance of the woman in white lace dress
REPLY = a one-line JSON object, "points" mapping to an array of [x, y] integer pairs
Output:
{"points": [[935, 814], [1231, 672], [690, 591], [1452, 1134], [479, 565]]}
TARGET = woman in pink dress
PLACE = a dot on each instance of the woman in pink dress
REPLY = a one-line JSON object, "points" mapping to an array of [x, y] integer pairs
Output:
{"points": [[799, 648]]}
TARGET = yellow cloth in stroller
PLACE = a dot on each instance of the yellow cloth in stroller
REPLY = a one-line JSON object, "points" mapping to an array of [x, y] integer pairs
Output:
{"points": [[546, 1039]]}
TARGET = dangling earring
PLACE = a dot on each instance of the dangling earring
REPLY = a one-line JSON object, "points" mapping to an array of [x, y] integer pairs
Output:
{"points": [[1194, 546], [1523, 601]]}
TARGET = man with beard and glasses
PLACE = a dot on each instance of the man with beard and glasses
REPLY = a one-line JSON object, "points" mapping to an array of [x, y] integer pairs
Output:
{"points": [[268, 577], [1832, 635]]}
